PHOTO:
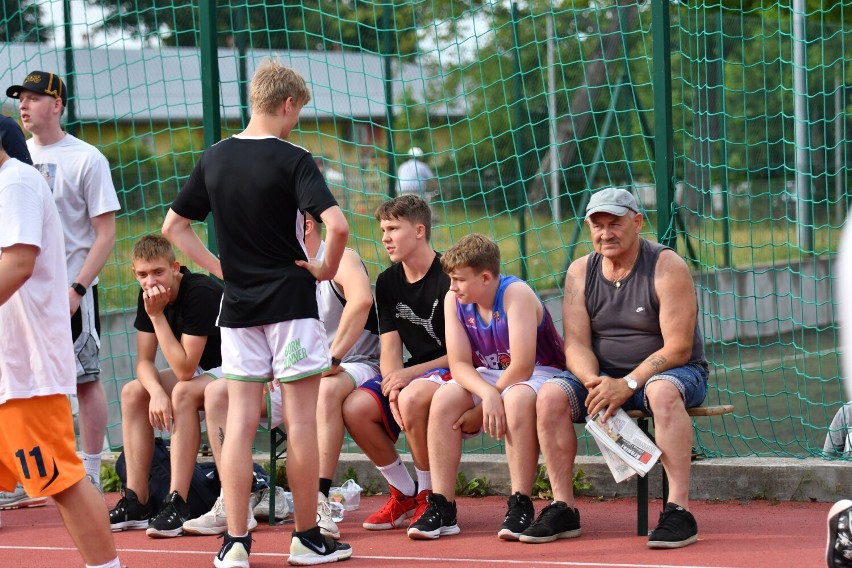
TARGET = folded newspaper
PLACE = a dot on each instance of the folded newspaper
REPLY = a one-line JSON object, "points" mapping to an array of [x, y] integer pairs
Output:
{"points": [[625, 448]]}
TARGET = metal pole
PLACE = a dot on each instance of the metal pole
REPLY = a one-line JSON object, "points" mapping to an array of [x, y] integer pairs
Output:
{"points": [[839, 170], [551, 110], [800, 125], [519, 145], [70, 82], [210, 92], [387, 38], [242, 45], [663, 145]]}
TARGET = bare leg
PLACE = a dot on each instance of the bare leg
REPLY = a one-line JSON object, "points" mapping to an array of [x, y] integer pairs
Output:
{"points": [[521, 438], [414, 406], [448, 404], [216, 415], [558, 440], [85, 516], [235, 467], [93, 416], [333, 390], [363, 419], [673, 431], [187, 400]]}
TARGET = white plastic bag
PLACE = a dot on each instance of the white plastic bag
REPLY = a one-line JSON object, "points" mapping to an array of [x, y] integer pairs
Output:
{"points": [[348, 495]]}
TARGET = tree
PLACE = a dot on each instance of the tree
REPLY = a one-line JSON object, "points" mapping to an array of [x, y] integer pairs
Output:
{"points": [[22, 22]]}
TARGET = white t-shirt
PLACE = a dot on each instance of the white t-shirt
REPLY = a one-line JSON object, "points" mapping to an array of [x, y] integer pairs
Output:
{"points": [[413, 175], [36, 355], [78, 175]]}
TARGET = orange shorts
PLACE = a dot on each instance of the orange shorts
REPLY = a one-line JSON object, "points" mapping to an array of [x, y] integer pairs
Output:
{"points": [[37, 445]]}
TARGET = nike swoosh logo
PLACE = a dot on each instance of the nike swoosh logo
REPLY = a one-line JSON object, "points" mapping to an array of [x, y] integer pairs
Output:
{"points": [[55, 475], [320, 549]]}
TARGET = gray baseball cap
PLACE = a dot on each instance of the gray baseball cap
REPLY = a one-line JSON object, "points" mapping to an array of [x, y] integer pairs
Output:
{"points": [[612, 200]]}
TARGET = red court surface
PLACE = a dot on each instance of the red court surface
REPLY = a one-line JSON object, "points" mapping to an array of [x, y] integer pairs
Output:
{"points": [[731, 534]]}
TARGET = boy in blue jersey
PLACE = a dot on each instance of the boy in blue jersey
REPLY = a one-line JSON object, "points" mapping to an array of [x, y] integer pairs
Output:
{"points": [[501, 345]]}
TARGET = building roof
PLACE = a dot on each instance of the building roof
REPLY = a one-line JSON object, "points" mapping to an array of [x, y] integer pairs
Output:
{"points": [[165, 83]]}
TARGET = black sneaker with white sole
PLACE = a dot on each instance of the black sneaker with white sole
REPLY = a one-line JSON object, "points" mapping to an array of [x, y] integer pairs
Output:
{"points": [[555, 521], [129, 513], [311, 547], [838, 550], [677, 528], [519, 517], [439, 519], [169, 521], [234, 552]]}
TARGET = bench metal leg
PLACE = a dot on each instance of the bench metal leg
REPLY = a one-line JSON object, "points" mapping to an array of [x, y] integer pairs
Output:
{"points": [[277, 439], [642, 492]]}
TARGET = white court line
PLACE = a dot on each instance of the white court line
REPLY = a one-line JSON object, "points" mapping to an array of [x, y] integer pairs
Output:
{"points": [[468, 561], [777, 360]]}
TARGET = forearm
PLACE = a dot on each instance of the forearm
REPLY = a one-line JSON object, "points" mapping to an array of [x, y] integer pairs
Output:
{"points": [[13, 275], [149, 376], [439, 363], [515, 373], [97, 257], [179, 231], [335, 243], [659, 361], [173, 350], [351, 326], [467, 376], [582, 363]]}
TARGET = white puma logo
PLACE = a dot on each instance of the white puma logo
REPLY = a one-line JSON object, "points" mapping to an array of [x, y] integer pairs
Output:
{"points": [[406, 313]]}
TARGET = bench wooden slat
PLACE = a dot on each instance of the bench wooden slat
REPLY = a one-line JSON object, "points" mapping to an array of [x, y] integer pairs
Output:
{"points": [[697, 411]]}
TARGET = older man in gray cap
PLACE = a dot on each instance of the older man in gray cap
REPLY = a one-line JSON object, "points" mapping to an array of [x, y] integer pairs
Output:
{"points": [[632, 341]]}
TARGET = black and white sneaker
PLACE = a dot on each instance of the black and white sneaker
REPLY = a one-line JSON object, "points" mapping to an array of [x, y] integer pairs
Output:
{"points": [[838, 550], [169, 521], [555, 521], [439, 519], [129, 513], [311, 547], [519, 517], [677, 528], [234, 552]]}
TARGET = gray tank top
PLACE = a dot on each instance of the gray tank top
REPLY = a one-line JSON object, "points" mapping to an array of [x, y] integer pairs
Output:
{"points": [[625, 320]]}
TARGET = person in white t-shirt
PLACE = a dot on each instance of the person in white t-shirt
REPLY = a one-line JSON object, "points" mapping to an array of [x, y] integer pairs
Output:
{"points": [[78, 175], [415, 176], [38, 448]]}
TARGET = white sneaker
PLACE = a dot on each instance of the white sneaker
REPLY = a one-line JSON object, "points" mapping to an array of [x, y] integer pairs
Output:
{"points": [[18, 499], [261, 510], [327, 526], [214, 521]]}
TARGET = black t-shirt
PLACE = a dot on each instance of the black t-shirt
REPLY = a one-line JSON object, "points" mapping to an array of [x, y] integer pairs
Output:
{"points": [[193, 312], [258, 190], [415, 310]]}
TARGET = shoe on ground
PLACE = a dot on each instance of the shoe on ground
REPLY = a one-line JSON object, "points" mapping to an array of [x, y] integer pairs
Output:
{"points": [[439, 519], [312, 547], [234, 552], [555, 521], [169, 521], [324, 521], [422, 505], [261, 510], [214, 521], [394, 513], [677, 528], [129, 513], [519, 516], [18, 499], [838, 550]]}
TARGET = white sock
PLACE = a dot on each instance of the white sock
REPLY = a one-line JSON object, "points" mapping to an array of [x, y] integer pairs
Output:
{"points": [[114, 563], [397, 475], [424, 480], [92, 465]]}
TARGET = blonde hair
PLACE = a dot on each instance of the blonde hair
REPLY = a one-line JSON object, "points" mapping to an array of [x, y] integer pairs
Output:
{"points": [[475, 251], [407, 207], [153, 247], [274, 83]]}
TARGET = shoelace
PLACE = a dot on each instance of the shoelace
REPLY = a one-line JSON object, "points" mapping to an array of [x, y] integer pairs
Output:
{"points": [[392, 506], [517, 512], [547, 513], [218, 509], [324, 509], [668, 521]]}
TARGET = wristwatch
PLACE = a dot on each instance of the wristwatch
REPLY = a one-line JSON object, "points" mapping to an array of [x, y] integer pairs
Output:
{"points": [[79, 288], [631, 383], [335, 361]]}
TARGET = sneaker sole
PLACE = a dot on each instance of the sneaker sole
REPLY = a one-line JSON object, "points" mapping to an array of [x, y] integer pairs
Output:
{"points": [[387, 526], [27, 503], [230, 563], [155, 533], [129, 526], [679, 544], [416, 534], [315, 559], [835, 510], [506, 534], [541, 539], [205, 531]]}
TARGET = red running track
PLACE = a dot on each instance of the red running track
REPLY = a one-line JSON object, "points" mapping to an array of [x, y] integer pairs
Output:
{"points": [[731, 534]]}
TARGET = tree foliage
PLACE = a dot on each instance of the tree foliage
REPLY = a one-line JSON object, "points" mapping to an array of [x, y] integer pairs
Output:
{"points": [[22, 22]]}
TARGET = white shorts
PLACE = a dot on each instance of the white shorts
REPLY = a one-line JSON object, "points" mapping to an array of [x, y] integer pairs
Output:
{"points": [[215, 372], [284, 351], [360, 373], [87, 342]]}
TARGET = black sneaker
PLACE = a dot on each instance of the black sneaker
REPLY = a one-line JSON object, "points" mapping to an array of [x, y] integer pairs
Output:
{"points": [[439, 519], [312, 547], [129, 513], [169, 521], [518, 518], [677, 528], [234, 552], [838, 551], [555, 521]]}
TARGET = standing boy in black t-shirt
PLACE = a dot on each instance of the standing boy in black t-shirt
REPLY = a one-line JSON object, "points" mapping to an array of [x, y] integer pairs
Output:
{"points": [[410, 301], [177, 311], [259, 188]]}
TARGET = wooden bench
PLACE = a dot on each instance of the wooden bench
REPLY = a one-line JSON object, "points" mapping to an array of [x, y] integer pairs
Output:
{"points": [[642, 482]]}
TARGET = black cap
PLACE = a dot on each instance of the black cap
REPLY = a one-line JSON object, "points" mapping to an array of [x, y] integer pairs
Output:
{"points": [[40, 82]]}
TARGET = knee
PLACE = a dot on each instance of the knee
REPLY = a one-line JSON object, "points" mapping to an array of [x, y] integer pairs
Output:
{"points": [[665, 400], [551, 405], [357, 408], [133, 394], [184, 397]]}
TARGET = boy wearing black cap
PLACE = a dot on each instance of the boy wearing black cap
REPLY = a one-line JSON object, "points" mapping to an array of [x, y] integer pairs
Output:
{"points": [[79, 178]]}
